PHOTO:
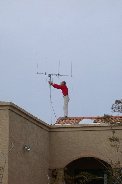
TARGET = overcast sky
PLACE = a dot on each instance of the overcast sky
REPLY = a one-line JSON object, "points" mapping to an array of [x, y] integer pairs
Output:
{"points": [[87, 33]]}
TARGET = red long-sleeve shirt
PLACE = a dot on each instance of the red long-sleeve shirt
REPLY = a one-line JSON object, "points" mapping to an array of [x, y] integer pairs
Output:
{"points": [[63, 88]]}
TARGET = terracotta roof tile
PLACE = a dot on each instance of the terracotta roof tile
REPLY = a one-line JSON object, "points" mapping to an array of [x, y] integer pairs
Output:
{"points": [[97, 119], [69, 120]]}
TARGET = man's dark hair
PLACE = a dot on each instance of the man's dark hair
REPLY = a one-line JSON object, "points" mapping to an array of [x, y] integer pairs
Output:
{"points": [[64, 82]]}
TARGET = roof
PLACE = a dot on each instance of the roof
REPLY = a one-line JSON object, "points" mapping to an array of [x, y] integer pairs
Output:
{"points": [[89, 120]]}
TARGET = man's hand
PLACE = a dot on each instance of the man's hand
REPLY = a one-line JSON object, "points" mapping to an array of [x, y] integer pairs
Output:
{"points": [[50, 82]]}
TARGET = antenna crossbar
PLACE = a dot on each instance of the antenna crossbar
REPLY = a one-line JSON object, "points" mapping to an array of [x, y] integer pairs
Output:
{"points": [[51, 74], [42, 73]]}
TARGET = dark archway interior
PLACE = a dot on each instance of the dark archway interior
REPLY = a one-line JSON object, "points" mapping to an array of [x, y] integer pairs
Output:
{"points": [[86, 170]]}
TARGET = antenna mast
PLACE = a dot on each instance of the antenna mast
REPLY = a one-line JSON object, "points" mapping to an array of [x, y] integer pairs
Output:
{"points": [[50, 79]]}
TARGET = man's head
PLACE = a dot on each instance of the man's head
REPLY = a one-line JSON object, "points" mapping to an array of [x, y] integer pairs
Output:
{"points": [[63, 83]]}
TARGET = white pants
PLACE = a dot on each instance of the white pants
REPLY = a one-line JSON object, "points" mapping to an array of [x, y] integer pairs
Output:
{"points": [[65, 107]]}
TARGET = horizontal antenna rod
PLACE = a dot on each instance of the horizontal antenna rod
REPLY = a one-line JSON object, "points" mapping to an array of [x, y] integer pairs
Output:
{"points": [[42, 73], [51, 74]]}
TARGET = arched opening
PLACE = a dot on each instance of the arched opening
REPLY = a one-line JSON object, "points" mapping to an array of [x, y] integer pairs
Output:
{"points": [[87, 170]]}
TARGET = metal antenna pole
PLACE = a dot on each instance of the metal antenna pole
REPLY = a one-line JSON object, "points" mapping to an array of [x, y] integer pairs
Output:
{"points": [[59, 67], [50, 79], [49, 75]]}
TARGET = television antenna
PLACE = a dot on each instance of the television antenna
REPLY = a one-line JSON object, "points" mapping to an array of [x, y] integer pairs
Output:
{"points": [[50, 75]]}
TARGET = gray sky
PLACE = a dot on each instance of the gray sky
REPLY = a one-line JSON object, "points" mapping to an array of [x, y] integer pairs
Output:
{"points": [[87, 33]]}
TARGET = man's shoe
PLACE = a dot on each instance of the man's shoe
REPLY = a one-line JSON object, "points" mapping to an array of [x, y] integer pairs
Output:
{"points": [[65, 116]]}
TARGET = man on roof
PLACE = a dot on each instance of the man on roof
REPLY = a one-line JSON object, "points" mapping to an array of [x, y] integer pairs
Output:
{"points": [[64, 90]]}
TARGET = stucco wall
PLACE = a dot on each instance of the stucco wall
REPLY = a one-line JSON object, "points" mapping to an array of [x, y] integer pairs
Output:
{"points": [[68, 144], [27, 166], [51, 147], [4, 129]]}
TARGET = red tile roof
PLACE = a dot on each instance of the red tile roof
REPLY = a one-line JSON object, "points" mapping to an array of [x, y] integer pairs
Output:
{"points": [[97, 119]]}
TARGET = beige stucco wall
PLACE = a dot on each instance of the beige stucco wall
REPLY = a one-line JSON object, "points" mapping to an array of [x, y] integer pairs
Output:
{"points": [[51, 146], [70, 143], [4, 130], [27, 167]]}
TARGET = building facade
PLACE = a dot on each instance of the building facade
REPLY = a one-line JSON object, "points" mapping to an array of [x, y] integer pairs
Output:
{"points": [[33, 152]]}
